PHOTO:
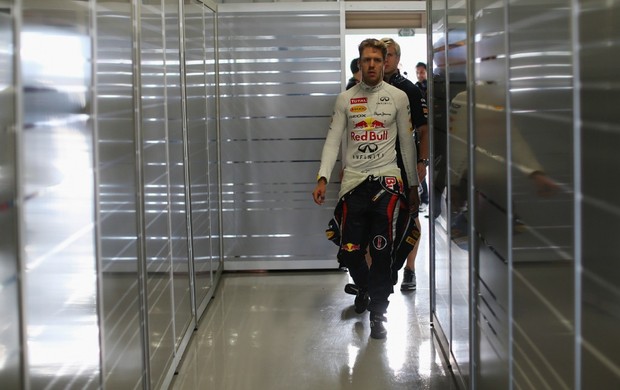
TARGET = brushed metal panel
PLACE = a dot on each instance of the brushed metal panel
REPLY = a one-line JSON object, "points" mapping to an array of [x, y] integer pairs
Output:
{"points": [[489, 174], [489, 48], [176, 158], [256, 108], [599, 92], [493, 273], [198, 159], [280, 73], [543, 332], [442, 288], [213, 141], [268, 172], [206, 271], [599, 300], [287, 128], [441, 258], [159, 285], [492, 225], [489, 130], [59, 200], [121, 334], [156, 192], [491, 360], [10, 337], [458, 202], [488, 17], [541, 88], [490, 70], [545, 99], [492, 355], [273, 150]]}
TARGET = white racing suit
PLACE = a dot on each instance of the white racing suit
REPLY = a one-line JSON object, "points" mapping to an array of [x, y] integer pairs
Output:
{"points": [[371, 193]]}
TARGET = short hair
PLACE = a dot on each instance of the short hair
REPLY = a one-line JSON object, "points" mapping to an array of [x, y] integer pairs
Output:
{"points": [[390, 42], [355, 65], [420, 64], [373, 43]]}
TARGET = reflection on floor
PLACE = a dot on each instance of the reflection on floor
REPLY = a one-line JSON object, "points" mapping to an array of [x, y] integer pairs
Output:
{"points": [[285, 330]]}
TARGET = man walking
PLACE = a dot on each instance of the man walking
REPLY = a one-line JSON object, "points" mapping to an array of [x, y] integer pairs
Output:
{"points": [[422, 83], [419, 113], [374, 116]]}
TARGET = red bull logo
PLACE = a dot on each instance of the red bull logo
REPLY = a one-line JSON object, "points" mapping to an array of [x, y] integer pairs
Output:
{"points": [[370, 136], [361, 125], [369, 124], [361, 100], [349, 247]]}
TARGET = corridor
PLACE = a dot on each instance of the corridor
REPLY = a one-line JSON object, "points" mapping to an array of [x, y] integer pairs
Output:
{"points": [[285, 330], [157, 231]]}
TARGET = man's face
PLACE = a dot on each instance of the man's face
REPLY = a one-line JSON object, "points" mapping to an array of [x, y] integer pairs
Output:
{"points": [[391, 61], [420, 73], [371, 65]]}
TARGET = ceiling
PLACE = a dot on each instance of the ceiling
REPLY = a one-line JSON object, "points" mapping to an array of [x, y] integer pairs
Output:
{"points": [[386, 19]]}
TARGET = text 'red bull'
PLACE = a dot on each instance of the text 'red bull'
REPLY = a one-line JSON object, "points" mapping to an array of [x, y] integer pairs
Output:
{"points": [[370, 136]]}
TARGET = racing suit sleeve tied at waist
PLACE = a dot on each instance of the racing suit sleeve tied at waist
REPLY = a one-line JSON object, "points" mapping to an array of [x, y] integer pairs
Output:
{"points": [[406, 232]]}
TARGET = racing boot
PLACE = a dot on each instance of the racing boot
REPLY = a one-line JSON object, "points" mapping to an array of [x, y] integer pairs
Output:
{"points": [[377, 329], [362, 299]]}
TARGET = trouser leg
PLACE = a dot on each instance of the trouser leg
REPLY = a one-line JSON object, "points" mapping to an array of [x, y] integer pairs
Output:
{"points": [[355, 237], [424, 195], [381, 238]]}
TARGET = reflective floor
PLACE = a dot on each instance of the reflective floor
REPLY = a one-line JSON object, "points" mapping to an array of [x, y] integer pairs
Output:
{"points": [[284, 330]]}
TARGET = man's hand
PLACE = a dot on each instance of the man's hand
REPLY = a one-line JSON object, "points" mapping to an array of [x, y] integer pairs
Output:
{"points": [[414, 201], [319, 191]]}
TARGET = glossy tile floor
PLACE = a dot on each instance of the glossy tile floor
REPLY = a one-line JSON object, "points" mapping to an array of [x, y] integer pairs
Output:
{"points": [[298, 330]]}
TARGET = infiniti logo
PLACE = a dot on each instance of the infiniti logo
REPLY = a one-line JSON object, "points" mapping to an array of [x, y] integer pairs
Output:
{"points": [[367, 148]]}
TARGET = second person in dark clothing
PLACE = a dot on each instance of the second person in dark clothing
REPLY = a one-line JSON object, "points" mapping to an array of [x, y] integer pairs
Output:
{"points": [[356, 73], [419, 115]]}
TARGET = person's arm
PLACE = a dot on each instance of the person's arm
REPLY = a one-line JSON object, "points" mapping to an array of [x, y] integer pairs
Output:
{"points": [[333, 139], [419, 118], [423, 157], [408, 151], [330, 149]]}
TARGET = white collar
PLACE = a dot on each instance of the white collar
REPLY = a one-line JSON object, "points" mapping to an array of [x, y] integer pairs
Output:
{"points": [[369, 88]]}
